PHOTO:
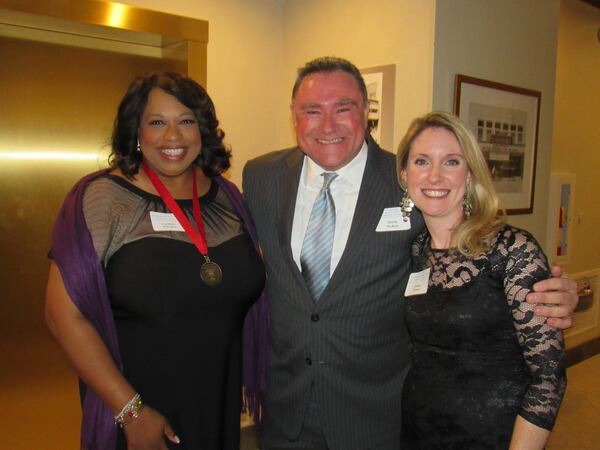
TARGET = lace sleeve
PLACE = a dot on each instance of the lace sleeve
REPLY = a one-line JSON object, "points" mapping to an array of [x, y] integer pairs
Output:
{"points": [[543, 345]]}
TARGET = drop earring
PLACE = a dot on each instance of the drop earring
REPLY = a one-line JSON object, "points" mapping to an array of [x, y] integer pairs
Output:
{"points": [[137, 147], [467, 205], [406, 206]]}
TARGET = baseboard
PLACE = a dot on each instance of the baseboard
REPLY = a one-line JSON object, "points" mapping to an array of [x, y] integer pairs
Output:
{"points": [[582, 352]]}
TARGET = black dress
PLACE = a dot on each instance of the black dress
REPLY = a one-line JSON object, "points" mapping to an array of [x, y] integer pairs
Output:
{"points": [[480, 355], [180, 340]]}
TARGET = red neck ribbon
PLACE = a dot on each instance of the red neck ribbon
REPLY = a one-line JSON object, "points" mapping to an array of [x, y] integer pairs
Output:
{"points": [[198, 236]]}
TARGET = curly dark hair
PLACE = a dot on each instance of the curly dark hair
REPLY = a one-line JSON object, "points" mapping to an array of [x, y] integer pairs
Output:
{"points": [[214, 157]]}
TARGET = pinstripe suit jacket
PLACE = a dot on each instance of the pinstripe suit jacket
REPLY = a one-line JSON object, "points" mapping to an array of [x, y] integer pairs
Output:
{"points": [[352, 344]]}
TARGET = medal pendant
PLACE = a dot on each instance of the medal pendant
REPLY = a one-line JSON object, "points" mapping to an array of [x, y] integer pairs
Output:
{"points": [[211, 273]]}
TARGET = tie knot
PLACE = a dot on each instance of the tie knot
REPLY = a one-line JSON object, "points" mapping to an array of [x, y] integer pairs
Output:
{"points": [[328, 177]]}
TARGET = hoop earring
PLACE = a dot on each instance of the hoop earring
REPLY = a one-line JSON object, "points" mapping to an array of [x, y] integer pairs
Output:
{"points": [[467, 206], [406, 206]]}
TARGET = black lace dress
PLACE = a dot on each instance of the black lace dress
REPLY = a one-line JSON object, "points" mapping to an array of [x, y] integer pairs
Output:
{"points": [[480, 355]]}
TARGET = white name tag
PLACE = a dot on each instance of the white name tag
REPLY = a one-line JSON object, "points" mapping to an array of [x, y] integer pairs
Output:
{"points": [[392, 220], [417, 283], [164, 222]]}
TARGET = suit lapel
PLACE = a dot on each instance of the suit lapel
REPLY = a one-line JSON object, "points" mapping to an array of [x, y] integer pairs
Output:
{"points": [[366, 214], [288, 183]]}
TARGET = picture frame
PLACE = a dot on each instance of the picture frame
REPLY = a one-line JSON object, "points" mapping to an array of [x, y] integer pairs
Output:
{"points": [[505, 121], [380, 82]]}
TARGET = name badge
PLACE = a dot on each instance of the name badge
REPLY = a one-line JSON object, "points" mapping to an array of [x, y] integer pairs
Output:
{"points": [[392, 220], [164, 222], [417, 283]]}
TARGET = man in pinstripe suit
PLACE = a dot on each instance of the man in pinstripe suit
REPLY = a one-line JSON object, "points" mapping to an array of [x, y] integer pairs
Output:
{"points": [[337, 363]]}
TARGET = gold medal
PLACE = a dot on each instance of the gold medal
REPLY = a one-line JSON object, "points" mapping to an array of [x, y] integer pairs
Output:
{"points": [[211, 273]]}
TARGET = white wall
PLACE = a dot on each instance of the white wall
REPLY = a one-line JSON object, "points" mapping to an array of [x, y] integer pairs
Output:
{"points": [[508, 41]]}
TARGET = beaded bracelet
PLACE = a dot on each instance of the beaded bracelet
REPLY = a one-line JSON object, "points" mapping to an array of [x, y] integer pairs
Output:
{"points": [[130, 411]]}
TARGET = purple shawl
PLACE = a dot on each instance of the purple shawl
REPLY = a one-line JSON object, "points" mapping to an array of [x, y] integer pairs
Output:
{"points": [[73, 252]]}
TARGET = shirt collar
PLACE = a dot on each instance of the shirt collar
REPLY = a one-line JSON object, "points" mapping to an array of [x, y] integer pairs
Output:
{"points": [[351, 173]]}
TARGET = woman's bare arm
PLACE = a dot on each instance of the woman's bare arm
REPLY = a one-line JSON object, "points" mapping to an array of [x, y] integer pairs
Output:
{"points": [[85, 349]]}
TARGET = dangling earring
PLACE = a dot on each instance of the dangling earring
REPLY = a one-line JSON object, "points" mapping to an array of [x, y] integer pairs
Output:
{"points": [[137, 147], [406, 206], [467, 205]]}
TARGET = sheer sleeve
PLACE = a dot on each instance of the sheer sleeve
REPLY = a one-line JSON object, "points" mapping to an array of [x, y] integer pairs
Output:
{"points": [[543, 345], [117, 213], [108, 216]]}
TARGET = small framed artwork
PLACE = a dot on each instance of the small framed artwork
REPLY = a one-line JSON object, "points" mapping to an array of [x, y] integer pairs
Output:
{"points": [[380, 82], [505, 121]]}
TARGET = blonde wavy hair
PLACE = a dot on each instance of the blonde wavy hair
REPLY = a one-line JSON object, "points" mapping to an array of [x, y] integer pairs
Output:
{"points": [[474, 234]]}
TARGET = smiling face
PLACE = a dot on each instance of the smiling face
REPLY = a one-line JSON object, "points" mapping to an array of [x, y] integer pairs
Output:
{"points": [[330, 117], [169, 135], [436, 175]]}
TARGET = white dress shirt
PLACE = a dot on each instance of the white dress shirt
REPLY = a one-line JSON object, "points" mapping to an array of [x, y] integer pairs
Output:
{"points": [[344, 190]]}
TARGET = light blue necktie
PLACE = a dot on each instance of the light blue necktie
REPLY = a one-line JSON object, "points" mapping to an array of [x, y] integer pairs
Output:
{"points": [[315, 256]]}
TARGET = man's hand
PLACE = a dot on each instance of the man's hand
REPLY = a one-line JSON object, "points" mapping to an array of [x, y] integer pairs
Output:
{"points": [[557, 297]]}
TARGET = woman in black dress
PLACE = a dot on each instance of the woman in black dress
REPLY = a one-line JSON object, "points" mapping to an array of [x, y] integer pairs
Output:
{"points": [[154, 270], [487, 372]]}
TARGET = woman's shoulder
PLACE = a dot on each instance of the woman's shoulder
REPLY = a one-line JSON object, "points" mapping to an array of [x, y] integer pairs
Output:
{"points": [[108, 190], [517, 247], [101, 186], [107, 199], [512, 238], [109, 207]]}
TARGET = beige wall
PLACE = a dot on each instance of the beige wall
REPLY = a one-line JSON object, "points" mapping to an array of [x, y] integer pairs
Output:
{"points": [[244, 70], [512, 42], [369, 34], [577, 147], [549, 46], [577, 130], [255, 48]]}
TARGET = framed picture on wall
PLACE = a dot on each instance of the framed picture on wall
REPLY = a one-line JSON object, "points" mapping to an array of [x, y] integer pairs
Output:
{"points": [[380, 82], [505, 121]]}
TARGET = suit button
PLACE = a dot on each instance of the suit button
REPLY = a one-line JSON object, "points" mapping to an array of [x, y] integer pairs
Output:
{"points": [[315, 317], [308, 361]]}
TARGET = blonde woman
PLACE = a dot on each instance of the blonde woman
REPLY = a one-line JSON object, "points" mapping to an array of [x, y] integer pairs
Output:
{"points": [[487, 372]]}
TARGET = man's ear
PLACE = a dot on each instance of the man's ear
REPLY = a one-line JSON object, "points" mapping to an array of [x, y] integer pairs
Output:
{"points": [[292, 114]]}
